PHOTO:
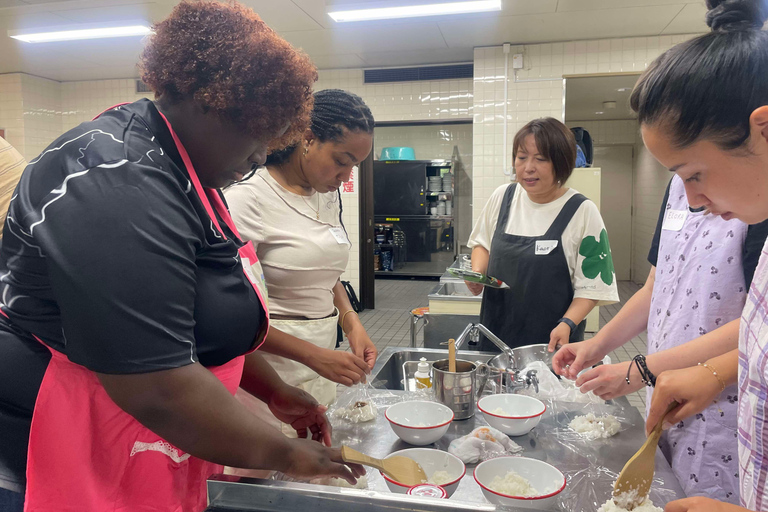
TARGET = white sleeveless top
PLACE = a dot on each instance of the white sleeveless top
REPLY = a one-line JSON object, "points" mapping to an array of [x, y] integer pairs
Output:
{"points": [[302, 257]]}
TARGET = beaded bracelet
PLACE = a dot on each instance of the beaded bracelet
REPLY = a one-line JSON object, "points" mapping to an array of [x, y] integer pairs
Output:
{"points": [[714, 372], [648, 378]]}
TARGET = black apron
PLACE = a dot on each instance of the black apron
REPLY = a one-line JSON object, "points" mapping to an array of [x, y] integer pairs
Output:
{"points": [[540, 288]]}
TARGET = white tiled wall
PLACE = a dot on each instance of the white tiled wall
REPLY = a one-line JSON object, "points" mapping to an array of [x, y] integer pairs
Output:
{"points": [[12, 110], [405, 101], [42, 113], [609, 132], [82, 101]]}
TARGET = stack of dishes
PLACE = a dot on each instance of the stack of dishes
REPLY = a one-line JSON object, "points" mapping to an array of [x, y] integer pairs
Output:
{"points": [[447, 182], [441, 207], [435, 183]]}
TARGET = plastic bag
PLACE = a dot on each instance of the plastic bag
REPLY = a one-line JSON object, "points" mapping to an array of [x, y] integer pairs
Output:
{"points": [[481, 444]]}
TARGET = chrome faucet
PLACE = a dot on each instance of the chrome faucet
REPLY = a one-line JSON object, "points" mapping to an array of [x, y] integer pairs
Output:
{"points": [[515, 379], [472, 333]]}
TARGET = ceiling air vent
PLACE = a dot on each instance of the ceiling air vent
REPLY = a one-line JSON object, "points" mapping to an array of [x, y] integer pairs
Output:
{"points": [[449, 72], [141, 87]]}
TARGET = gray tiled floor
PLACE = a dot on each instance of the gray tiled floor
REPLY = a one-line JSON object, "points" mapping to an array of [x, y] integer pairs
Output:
{"points": [[388, 324]]}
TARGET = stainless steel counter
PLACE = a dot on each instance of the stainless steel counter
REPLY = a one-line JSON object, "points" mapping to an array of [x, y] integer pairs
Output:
{"points": [[378, 440]]}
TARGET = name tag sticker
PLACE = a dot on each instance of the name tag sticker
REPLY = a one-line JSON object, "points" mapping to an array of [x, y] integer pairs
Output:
{"points": [[339, 234], [545, 246], [674, 220], [248, 270]]}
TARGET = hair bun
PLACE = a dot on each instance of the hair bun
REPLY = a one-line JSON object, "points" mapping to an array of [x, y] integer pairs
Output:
{"points": [[729, 15]]}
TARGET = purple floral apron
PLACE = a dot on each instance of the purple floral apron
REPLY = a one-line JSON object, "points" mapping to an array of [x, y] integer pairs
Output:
{"points": [[699, 287]]}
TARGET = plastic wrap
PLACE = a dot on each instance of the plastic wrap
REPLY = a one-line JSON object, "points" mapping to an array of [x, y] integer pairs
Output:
{"points": [[553, 388], [360, 403], [564, 416], [362, 482], [588, 489]]}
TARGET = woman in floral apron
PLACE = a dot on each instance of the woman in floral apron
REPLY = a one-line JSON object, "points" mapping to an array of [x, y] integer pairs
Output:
{"points": [[703, 111], [702, 266], [129, 315]]}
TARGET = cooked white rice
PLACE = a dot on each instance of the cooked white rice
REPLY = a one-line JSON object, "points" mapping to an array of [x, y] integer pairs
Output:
{"points": [[440, 478], [595, 427], [645, 506], [513, 485]]}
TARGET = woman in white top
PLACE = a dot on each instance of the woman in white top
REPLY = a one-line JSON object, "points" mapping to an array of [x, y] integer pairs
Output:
{"points": [[546, 241], [291, 210]]}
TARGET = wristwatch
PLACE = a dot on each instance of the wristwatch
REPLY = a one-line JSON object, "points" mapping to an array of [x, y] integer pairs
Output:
{"points": [[567, 321]]}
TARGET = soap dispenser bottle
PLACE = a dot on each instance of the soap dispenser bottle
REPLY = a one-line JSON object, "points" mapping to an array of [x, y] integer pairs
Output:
{"points": [[423, 379]]}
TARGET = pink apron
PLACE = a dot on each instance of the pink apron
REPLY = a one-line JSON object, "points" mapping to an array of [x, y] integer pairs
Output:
{"points": [[87, 454]]}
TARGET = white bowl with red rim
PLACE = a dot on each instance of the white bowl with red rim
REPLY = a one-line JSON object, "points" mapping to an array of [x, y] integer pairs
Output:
{"points": [[419, 422], [431, 461], [545, 478], [427, 491], [515, 415]]}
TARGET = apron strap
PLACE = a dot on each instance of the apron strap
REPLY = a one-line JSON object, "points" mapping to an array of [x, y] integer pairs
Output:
{"points": [[506, 203], [564, 217]]}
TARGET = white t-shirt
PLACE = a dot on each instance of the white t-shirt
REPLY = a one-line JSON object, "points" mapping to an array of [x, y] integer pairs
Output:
{"points": [[302, 257], [584, 239]]}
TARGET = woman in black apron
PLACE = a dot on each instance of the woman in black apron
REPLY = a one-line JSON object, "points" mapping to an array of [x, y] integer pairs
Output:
{"points": [[546, 241]]}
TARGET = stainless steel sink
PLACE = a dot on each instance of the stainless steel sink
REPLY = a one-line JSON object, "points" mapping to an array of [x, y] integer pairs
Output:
{"points": [[446, 290], [388, 372]]}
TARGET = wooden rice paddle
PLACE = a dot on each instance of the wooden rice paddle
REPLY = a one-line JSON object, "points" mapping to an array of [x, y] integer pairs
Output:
{"points": [[637, 474], [401, 469], [452, 355]]}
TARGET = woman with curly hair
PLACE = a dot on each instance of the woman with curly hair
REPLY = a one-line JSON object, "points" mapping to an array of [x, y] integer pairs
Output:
{"points": [[128, 305]]}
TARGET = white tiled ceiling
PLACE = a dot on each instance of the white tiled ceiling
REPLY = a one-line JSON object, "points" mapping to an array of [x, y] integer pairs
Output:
{"points": [[305, 23]]}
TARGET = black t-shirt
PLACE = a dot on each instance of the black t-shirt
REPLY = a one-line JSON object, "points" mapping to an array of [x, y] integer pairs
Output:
{"points": [[109, 257], [753, 244]]}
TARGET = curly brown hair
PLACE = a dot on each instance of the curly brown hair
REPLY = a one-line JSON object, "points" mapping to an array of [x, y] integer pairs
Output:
{"points": [[223, 57]]}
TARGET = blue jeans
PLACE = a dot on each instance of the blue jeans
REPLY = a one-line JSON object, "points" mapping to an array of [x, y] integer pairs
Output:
{"points": [[11, 501]]}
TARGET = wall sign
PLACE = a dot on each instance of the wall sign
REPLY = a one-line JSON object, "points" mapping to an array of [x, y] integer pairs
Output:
{"points": [[350, 187]]}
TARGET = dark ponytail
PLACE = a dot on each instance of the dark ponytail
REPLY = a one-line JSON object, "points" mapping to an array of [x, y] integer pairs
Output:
{"points": [[333, 112], [708, 87]]}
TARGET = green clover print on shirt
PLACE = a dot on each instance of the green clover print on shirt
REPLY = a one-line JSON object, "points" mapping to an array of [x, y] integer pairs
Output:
{"points": [[597, 258]]}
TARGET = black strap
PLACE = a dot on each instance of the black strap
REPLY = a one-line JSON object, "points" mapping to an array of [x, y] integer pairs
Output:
{"points": [[501, 223], [356, 306], [564, 217]]}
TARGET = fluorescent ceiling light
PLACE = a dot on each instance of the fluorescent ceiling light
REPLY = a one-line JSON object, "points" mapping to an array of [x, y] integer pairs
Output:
{"points": [[599, 113], [89, 33], [414, 11]]}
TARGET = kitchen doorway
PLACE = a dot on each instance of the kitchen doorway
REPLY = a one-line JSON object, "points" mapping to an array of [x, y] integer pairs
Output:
{"points": [[418, 244], [616, 163], [600, 105]]}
